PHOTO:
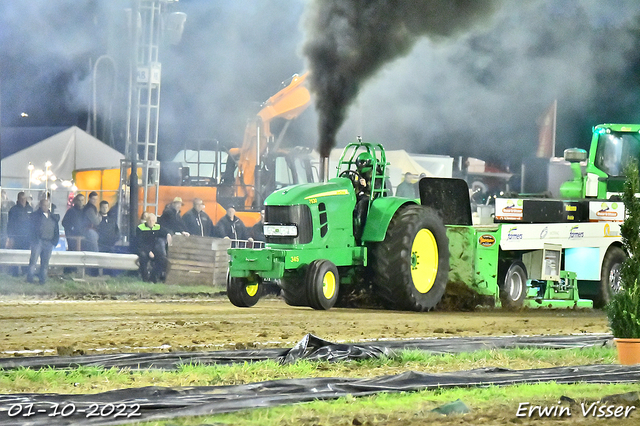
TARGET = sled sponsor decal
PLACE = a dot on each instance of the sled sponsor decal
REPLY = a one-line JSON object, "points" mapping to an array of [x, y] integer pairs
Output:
{"points": [[513, 234], [610, 211], [508, 209], [575, 232], [544, 232], [608, 233], [486, 240]]}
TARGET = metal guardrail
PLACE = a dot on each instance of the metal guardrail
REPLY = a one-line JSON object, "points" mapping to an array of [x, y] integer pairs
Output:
{"points": [[80, 259]]}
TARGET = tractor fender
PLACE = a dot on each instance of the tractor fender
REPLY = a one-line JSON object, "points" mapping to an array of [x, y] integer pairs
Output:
{"points": [[379, 216]]}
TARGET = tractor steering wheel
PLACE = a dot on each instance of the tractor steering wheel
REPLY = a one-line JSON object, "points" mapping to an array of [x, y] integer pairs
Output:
{"points": [[354, 176]]}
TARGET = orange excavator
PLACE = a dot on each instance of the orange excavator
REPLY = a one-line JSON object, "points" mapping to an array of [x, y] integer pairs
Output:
{"points": [[259, 143], [239, 177]]}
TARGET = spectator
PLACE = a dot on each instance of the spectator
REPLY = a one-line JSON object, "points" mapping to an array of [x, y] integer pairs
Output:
{"points": [[113, 211], [45, 234], [257, 230], [47, 195], [152, 240], [74, 223], [405, 188], [107, 229], [171, 219], [18, 227], [197, 221], [92, 220], [230, 226], [5, 207]]}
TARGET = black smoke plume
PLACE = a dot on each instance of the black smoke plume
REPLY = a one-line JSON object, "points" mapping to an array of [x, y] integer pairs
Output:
{"points": [[347, 41]]}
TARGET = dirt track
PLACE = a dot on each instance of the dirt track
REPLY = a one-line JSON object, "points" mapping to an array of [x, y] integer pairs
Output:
{"points": [[64, 327]]}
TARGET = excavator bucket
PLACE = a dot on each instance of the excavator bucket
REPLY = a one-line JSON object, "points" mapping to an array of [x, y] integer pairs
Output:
{"points": [[448, 197]]}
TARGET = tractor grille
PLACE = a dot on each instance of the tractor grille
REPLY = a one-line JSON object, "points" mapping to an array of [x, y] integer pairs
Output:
{"points": [[286, 215]]}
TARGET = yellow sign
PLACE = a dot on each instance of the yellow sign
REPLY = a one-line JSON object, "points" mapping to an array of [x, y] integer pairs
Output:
{"points": [[486, 240]]}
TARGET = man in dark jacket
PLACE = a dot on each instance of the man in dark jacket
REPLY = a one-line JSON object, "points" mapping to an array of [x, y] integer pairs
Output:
{"points": [[107, 229], [92, 220], [74, 223], [171, 219], [19, 228], [151, 246], [18, 223], [197, 221], [231, 226], [45, 234]]}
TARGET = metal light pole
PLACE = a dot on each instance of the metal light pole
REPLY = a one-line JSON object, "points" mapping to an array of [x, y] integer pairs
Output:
{"points": [[30, 167], [147, 26], [94, 124], [47, 174]]}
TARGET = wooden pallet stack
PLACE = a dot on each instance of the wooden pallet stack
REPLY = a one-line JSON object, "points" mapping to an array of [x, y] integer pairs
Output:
{"points": [[198, 261]]}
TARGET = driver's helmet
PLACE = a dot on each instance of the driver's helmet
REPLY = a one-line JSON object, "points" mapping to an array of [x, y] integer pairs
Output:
{"points": [[364, 162]]}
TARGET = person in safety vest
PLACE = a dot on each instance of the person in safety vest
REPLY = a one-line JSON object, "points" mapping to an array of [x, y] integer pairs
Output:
{"points": [[151, 247]]}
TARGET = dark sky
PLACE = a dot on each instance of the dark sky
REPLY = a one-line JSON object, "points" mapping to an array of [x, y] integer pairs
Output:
{"points": [[476, 94]]}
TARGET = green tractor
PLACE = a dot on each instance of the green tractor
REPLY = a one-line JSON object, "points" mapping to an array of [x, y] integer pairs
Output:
{"points": [[322, 236]]}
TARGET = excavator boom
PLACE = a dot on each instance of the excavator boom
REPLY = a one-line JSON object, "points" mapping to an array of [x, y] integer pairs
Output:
{"points": [[288, 103]]}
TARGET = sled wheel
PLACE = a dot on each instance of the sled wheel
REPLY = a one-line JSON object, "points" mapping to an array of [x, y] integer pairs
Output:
{"points": [[244, 292], [322, 284], [513, 284], [293, 291], [610, 275], [411, 265]]}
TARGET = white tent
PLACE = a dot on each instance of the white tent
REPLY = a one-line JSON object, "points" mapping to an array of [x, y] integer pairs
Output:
{"points": [[67, 151], [72, 149], [400, 162]]}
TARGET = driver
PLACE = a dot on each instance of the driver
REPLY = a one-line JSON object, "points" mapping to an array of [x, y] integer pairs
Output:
{"points": [[364, 165]]}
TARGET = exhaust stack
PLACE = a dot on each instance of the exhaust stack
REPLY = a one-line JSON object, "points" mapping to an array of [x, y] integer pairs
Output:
{"points": [[324, 168]]}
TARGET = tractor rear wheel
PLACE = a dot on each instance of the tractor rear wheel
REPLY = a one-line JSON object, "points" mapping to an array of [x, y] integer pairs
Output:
{"points": [[322, 283], [610, 275], [244, 292], [411, 265], [513, 284]]}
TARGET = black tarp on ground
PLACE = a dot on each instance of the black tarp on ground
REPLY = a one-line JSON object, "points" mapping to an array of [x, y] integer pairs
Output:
{"points": [[310, 347], [164, 403]]}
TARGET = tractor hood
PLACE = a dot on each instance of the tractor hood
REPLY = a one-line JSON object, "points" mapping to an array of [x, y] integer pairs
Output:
{"points": [[311, 192]]}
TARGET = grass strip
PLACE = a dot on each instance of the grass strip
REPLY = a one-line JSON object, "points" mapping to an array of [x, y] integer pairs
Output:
{"points": [[489, 405], [98, 379]]}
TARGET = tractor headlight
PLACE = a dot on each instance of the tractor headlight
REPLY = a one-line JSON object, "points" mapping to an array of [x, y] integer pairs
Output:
{"points": [[280, 230]]}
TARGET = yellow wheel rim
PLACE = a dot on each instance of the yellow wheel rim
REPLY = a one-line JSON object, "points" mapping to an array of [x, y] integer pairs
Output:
{"points": [[424, 260], [329, 285], [251, 289]]}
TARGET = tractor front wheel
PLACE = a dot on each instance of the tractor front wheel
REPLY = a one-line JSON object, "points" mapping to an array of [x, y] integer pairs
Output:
{"points": [[293, 292], [322, 284], [411, 265], [243, 292]]}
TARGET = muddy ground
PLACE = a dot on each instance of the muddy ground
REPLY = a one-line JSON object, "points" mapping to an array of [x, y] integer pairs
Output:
{"points": [[64, 327], [50, 327]]}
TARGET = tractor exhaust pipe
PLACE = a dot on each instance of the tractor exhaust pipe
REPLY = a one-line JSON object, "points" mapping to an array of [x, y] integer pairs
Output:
{"points": [[324, 168]]}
